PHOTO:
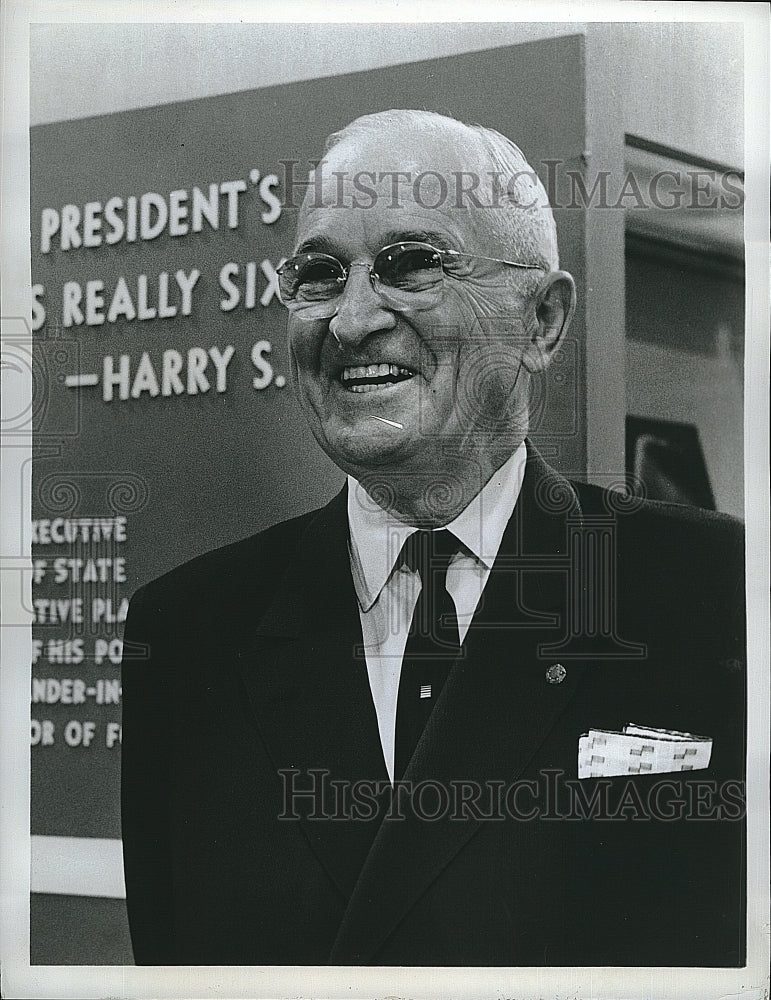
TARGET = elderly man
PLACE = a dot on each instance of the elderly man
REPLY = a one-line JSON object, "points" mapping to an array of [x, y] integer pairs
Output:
{"points": [[391, 731]]}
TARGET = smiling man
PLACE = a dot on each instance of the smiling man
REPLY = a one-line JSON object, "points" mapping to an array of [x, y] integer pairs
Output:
{"points": [[396, 730]]}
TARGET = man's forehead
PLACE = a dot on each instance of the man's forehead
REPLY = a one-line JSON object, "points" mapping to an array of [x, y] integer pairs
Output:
{"points": [[387, 150], [397, 181], [333, 224]]}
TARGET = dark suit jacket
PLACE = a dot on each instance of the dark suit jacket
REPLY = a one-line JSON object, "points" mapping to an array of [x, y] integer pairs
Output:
{"points": [[251, 679]]}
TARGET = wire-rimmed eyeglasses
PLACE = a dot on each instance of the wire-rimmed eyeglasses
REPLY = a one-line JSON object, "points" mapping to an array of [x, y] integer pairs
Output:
{"points": [[408, 276]]}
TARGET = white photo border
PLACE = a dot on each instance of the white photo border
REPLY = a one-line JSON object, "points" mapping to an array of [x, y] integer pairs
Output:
{"points": [[19, 979]]}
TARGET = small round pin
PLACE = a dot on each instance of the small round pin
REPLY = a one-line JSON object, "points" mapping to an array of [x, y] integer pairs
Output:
{"points": [[556, 673]]}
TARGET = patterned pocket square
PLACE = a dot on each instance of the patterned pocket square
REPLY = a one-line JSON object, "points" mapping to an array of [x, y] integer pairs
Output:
{"points": [[640, 750]]}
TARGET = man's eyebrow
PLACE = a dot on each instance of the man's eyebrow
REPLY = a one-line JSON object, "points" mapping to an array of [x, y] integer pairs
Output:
{"points": [[438, 240], [323, 244], [318, 244]]}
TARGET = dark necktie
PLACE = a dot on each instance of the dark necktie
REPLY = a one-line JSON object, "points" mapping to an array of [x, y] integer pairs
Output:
{"points": [[432, 643]]}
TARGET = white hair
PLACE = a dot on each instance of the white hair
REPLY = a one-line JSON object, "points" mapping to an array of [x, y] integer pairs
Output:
{"points": [[524, 223]]}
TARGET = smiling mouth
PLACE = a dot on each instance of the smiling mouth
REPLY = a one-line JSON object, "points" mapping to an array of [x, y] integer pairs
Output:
{"points": [[370, 378]]}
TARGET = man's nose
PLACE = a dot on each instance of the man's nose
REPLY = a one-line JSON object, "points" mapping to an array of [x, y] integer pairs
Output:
{"points": [[361, 311]]}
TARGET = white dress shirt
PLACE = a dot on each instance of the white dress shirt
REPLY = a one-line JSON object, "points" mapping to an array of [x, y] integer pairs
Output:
{"points": [[388, 593]]}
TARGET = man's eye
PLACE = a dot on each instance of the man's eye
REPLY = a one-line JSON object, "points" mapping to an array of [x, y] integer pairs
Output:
{"points": [[318, 271], [411, 269], [417, 260]]}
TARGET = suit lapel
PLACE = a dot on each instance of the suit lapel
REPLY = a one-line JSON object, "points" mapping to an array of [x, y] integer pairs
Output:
{"points": [[495, 712], [310, 693]]}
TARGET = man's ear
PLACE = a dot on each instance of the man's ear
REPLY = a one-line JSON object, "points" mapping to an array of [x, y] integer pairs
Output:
{"points": [[554, 305]]}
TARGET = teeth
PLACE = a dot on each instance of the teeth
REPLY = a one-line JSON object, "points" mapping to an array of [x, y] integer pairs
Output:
{"points": [[373, 371]]}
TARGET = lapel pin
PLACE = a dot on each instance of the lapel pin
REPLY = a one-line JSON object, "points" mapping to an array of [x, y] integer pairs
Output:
{"points": [[425, 690], [556, 673]]}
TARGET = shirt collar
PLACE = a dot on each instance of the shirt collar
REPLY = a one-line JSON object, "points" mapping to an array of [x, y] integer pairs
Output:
{"points": [[377, 537]]}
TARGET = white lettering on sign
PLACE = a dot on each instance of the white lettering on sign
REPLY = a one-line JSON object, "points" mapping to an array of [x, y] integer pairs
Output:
{"points": [[261, 363], [77, 733], [58, 611], [102, 610], [112, 649], [46, 531], [38, 308], [164, 298], [240, 289], [177, 374], [101, 570], [41, 733], [198, 371], [147, 216], [64, 650], [75, 691]]}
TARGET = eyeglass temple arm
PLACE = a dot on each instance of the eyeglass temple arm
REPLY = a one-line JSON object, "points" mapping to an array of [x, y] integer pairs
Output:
{"points": [[496, 260]]}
